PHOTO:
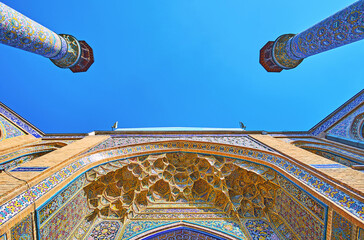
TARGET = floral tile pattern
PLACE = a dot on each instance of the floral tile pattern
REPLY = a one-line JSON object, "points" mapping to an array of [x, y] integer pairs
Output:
{"points": [[8, 130], [61, 224], [185, 234], [341, 228], [105, 230], [231, 227], [23, 229], [52, 206], [18, 122], [260, 230], [300, 220]]}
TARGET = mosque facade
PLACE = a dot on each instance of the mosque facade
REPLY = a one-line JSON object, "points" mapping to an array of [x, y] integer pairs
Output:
{"points": [[181, 183], [184, 183]]}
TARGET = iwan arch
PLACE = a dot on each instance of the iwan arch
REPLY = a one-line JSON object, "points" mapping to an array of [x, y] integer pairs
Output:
{"points": [[184, 183], [191, 183]]}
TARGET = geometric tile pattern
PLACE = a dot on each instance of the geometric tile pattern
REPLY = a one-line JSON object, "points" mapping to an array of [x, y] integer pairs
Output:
{"points": [[341, 228], [185, 234], [344, 200], [28, 35], [62, 223], [237, 140], [338, 114], [342, 28], [17, 204], [183, 216], [8, 130], [55, 203], [304, 224], [282, 227], [19, 123], [24, 229], [260, 229], [310, 203], [105, 230], [342, 129], [182, 212]]}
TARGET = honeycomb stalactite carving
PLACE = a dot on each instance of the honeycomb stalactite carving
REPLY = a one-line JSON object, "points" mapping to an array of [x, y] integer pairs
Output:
{"points": [[121, 189]]}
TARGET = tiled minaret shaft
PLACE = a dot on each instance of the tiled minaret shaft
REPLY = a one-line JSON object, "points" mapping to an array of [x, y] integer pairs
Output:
{"points": [[288, 51], [64, 50]]}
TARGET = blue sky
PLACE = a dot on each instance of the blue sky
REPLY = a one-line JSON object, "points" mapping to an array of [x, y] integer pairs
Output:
{"points": [[178, 63]]}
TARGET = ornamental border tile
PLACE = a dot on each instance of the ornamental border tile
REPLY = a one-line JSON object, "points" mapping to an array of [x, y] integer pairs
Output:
{"points": [[197, 234], [211, 224], [235, 140], [19, 122]]}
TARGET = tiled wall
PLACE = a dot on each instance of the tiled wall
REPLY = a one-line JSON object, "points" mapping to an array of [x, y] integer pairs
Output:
{"points": [[302, 221], [60, 216], [23, 229], [8, 130]]}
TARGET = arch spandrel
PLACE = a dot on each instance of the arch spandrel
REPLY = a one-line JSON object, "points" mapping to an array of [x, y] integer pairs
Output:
{"points": [[8, 129], [176, 231]]}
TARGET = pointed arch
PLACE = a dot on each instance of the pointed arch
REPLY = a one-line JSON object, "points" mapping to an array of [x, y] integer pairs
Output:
{"points": [[303, 176], [204, 231]]}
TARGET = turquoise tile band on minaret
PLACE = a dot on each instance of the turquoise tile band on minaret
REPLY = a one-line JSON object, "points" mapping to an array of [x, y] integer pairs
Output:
{"points": [[288, 50], [64, 50]]}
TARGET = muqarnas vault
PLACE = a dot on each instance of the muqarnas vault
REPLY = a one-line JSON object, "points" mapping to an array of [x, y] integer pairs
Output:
{"points": [[181, 183]]}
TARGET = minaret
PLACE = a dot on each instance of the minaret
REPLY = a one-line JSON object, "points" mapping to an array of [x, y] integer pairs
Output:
{"points": [[288, 51], [64, 50]]}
